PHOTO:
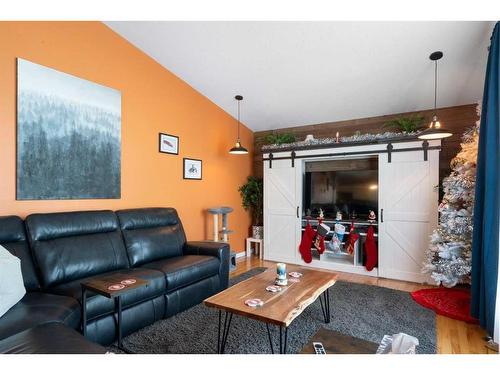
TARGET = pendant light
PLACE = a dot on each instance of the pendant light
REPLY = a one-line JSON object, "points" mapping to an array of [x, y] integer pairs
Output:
{"points": [[238, 149], [435, 130]]}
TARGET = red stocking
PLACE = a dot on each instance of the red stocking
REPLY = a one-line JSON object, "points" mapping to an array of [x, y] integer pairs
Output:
{"points": [[306, 242], [319, 240], [351, 240], [371, 252]]}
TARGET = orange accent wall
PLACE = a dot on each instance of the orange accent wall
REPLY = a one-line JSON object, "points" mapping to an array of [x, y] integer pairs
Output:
{"points": [[153, 100]]}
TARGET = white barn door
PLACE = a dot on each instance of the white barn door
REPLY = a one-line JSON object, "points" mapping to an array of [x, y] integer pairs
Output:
{"points": [[282, 205], [408, 200]]}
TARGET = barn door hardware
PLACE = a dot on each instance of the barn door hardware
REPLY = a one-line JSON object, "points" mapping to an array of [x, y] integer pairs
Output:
{"points": [[389, 152], [425, 146]]}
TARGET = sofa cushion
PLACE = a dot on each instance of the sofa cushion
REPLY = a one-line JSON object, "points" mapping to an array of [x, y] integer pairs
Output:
{"points": [[74, 245], [11, 281], [13, 238], [191, 295], [37, 308], [151, 234], [185, 270], [40, 340], [98, 305]]}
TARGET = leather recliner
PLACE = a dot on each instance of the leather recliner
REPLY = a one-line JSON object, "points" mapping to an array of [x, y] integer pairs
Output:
{"points": [[155, 240], [36, 307], [72, 247], [68, 248]]}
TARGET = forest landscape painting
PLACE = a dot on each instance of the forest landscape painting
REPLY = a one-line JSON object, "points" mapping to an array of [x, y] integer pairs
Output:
{"points": [[68, 136]]}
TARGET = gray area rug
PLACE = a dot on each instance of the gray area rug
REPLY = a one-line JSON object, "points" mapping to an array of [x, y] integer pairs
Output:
{"points": [[363, 311]]}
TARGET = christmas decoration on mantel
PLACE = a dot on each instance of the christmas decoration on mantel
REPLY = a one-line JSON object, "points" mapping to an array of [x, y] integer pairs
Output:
{"points": [[448, 258], [356, 138]]}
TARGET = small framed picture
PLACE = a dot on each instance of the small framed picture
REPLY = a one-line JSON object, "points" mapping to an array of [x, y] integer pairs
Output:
{"points": [[192, 169], [169, 144]]}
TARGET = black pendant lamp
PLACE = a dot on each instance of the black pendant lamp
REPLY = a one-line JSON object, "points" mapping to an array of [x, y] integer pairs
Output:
{"points": [[435, 129], [238, 149]]}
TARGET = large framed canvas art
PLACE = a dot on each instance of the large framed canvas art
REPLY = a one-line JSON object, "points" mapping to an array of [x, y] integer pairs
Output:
{"points": [[68, 136]]}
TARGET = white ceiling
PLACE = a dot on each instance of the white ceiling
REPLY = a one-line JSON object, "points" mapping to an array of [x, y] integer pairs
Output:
{"points": [[297, 73]]}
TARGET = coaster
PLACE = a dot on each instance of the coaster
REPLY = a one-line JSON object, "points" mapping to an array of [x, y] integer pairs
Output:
{"points": [[295, 274], [116, 287], [128, 282], [281, 282], [254, 302], [273, 288], [294, 280]]}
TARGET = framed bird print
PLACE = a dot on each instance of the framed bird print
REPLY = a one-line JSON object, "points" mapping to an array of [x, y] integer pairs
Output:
{"points": [[169, 144], [192, 169]]}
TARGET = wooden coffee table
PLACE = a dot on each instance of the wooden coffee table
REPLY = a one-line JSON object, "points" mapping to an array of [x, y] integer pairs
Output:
{"points": [[337, 343], [279, 308]]}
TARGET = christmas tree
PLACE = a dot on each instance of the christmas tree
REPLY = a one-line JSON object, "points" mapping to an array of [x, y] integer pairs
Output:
{"points": [[449, 255]]}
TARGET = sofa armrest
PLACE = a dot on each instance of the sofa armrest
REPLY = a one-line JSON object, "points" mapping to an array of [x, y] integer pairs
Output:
{"points": [[49, 338], [220, 250]]}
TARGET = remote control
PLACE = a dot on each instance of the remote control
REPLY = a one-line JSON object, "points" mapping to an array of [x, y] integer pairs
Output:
{"points": [[319, 348]]}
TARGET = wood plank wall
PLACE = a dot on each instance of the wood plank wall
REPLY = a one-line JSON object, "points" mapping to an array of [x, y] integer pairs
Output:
{"points": [[457, 119]]}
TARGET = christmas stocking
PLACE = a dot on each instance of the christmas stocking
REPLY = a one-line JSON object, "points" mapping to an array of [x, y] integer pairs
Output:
{"points": [[371, 253], [306, 243], [351, 240], [319, 240]]}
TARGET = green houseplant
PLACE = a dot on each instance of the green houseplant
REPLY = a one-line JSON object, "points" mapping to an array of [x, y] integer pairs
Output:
{"points": [[252, 195], [279, 139], [406, 124]]}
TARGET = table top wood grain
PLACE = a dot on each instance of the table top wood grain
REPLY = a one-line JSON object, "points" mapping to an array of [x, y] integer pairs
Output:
{"points": [[100, 284], [279, 308], [337, 343]]}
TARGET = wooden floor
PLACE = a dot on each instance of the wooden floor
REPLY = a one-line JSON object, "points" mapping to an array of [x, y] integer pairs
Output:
{"points": [[453, 336]]}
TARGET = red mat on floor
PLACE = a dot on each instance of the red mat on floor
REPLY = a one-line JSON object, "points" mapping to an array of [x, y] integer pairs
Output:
{"points": [[453, 303]]}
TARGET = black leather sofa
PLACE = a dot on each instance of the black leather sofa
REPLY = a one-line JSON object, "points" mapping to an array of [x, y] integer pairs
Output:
{"points": [[60, 250]]}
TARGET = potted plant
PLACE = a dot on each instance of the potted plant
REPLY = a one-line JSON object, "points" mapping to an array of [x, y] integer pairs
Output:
{"points": [[252, 195], [279, 139], [406, 124]]}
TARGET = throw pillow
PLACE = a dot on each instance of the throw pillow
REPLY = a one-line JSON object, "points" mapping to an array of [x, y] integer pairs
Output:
{"points": [[11, 281]]}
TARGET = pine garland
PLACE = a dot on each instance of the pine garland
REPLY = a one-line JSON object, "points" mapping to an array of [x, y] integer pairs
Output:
{"points": [[449, 255]]}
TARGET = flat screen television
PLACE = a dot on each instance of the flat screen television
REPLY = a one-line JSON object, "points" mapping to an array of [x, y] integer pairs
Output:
{"points": [[348, 185]]}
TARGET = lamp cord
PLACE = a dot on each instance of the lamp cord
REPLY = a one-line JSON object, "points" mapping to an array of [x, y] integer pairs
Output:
{"points": [[238, 120], [435, 85]]}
